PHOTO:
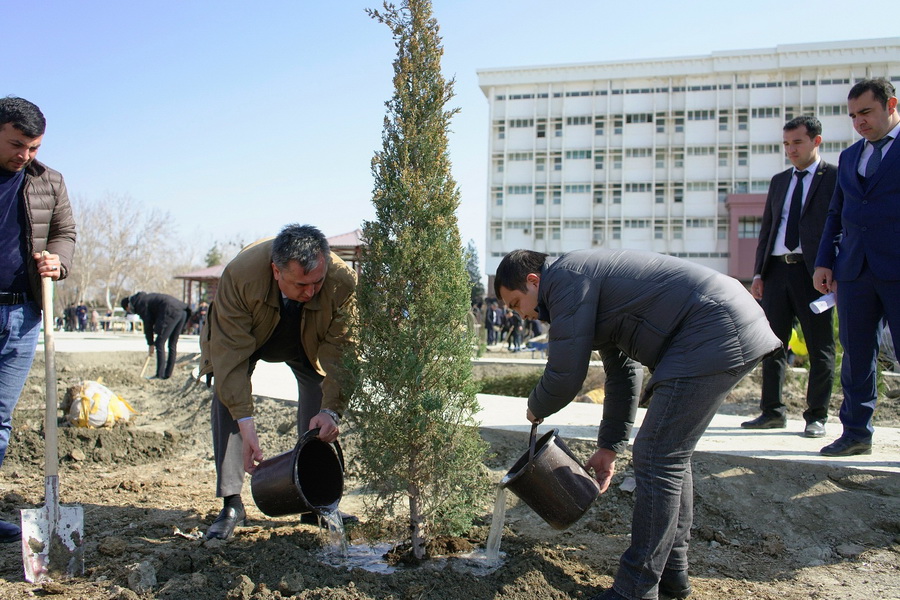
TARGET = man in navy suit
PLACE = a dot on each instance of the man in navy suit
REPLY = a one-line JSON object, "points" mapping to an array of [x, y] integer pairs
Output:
{"points": [[789, 237], [860, 251]]}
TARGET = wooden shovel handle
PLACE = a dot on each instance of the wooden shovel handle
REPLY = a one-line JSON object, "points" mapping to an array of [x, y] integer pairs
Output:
{"points": [[51, 456]]}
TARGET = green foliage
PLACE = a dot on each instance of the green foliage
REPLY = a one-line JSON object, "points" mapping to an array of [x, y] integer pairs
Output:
{"points": [[413, 399], [214, 256], [472, 268], [517, 386]]}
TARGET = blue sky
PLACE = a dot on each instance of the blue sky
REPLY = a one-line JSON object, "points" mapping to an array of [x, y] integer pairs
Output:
{"points": [[239, 117]]}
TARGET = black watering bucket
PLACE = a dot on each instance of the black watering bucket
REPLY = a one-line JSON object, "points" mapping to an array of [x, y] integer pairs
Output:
{"points": [[551, 480], [309, 478]]}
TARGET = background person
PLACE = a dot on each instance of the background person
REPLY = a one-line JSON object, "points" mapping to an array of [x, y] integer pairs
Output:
{"points": [[792, 224], [287, 299], [859, 251], [164, 317], [35, 216], [698, 330]]}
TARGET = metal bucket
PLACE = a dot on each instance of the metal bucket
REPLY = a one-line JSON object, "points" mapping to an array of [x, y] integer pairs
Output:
{"points": [[552, 481], [309, 478]]}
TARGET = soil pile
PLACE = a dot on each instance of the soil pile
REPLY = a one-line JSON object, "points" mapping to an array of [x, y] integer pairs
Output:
{"points": [[763, 529]]}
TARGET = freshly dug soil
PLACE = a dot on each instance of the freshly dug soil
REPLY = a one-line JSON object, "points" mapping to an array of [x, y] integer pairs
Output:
{"points": [[763, 529]]}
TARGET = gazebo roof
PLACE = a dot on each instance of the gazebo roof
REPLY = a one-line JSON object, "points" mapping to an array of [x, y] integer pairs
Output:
{"points": [[213, 273]]}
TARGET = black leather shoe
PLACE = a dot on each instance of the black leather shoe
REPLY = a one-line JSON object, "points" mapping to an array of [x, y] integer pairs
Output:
{"points": [[228, 519], [844, 446], [674, 585], [765, 422], [9, 533], [815, 429]]}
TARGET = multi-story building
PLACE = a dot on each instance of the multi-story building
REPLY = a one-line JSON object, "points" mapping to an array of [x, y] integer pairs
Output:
{"points": [[673, 155]]}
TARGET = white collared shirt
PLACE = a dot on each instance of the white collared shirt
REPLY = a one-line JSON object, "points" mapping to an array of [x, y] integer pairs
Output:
{"points": [[868, 149], [779, 248]]}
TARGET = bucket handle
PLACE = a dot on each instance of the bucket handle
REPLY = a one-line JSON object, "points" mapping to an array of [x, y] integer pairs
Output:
{"points": [[531, 443], [314, 433]]}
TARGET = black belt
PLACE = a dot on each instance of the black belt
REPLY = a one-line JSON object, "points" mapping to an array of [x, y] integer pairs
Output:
{"points": [[10, 298], [790, 258]]}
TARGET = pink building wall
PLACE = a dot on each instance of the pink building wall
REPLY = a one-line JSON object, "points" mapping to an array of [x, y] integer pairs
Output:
{"points": [[742, 251]]}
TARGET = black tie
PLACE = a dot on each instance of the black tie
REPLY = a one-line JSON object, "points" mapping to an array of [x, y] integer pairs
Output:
{"points": [[792, 232], [875, 159]]}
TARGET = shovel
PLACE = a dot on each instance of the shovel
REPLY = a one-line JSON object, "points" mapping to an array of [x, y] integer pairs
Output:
{"points": [[52, 536]]}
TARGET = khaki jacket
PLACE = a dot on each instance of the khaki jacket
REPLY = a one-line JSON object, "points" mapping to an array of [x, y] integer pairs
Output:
{"points": [[244, 315]]}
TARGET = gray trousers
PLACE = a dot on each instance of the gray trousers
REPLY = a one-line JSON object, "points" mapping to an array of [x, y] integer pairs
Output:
{"points": [[227, 441]]}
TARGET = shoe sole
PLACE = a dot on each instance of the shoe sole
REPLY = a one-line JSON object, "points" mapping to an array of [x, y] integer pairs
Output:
{"points": [[839, 454]]}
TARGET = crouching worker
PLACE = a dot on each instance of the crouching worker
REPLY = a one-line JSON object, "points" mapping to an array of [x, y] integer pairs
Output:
{"points": [[287, 299], [164, 317], [697, 330]]}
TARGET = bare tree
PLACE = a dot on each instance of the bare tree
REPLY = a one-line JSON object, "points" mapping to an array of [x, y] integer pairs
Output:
{"points": [[122, 247]]}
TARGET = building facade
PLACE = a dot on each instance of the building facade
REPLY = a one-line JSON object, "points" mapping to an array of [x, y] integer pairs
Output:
{"points": [[672, 155]]}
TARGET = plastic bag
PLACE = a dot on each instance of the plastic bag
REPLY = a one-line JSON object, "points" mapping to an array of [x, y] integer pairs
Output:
{"points": [[95, 405]]}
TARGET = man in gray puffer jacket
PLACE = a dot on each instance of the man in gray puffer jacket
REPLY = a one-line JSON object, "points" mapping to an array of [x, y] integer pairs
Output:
{"points": [[698, 331]]}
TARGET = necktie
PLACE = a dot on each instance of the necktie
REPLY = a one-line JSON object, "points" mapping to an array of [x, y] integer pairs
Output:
{"points": [[875, 159], [792, 232]]}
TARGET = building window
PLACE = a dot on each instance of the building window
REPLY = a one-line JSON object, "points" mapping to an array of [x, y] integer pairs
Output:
{"points": [[659, 193], [555, 233], [637, 187], [766, 112], [677, 232], [742, 158], [616, 159], [723, 158], [577, 154], [617, 232], [539, 197], [538, 232], [557, 197], [540, 163], [742, 119], [521, 122], [598, 160], [497, 233], [701, 150], [598, 196], [678, 193], [678, 159], [658, 232], [498, 165], [578, 120], [597, 234], [557, 129], [660, 122], [599, 126], [638, 152], [723, 193], [557, 163], [749, 227], [617, 126], [541, 130], [578, 188], [518, 189], [660, 159], [833, 110], [722, 232], [617, 196], [639, 118], [701, 115], [723, 122], [498, 196]]}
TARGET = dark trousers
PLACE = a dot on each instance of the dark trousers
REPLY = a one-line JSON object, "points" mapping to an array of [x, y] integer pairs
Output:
{"points": [[227, 441], [863, 304], [787, 292], [167, 339]]}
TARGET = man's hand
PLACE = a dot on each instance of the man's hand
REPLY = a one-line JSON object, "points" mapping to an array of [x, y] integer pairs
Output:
{"points": [[532, 419], [822, 280], [603, 462], [151, 350], [250, 451], [48, 265], [328, 429], [756, 288]]}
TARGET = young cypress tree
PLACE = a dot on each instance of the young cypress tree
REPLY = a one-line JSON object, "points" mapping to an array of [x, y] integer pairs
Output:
{"points": [[414, 399]]}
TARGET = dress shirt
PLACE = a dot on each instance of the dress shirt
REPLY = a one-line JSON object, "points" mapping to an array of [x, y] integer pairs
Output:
{"points": [[779, 248], [868, 149]]}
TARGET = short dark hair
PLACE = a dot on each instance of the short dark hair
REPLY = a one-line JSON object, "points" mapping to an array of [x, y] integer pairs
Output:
{"points": [[880, 87], [302, 243], [23, 115], [812, 124], [514, 269]]}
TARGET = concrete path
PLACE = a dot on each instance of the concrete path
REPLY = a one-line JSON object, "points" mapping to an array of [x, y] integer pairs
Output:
{"points": [[576, 421]]}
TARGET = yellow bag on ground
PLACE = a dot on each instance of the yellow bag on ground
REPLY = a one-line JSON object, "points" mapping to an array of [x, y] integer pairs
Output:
{"points": [[95, 405]]}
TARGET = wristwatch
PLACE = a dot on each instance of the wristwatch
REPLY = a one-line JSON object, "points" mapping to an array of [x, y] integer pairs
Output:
{"points": [[335, 417]]}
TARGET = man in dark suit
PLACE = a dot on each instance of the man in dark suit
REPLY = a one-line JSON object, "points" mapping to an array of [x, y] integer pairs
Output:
{"points": [[860, 250], [792, 224]]}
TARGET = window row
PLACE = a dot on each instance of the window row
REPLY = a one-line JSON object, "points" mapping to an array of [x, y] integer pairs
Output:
{"points": [[611, 227]]}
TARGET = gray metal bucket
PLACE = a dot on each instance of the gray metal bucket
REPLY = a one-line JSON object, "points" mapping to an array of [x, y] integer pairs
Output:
{"points": [[309, 478], [552, 481]]}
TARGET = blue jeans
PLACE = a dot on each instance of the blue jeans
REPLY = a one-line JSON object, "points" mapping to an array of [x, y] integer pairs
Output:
{"points": [[20, 326], [680, 411]]}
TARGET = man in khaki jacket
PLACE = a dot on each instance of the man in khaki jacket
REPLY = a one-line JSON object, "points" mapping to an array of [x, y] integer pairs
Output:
{"points": [[287, 299]]}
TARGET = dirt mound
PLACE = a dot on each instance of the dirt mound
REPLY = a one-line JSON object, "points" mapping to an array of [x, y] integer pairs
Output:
{"points": [[763, 529]]}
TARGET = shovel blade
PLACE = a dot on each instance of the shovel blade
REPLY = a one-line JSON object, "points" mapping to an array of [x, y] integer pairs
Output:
{"points": [[52, 544]]}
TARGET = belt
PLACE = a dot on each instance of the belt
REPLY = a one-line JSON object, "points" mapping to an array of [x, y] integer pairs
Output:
{"points": [[9, 298], [790, 258]]}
